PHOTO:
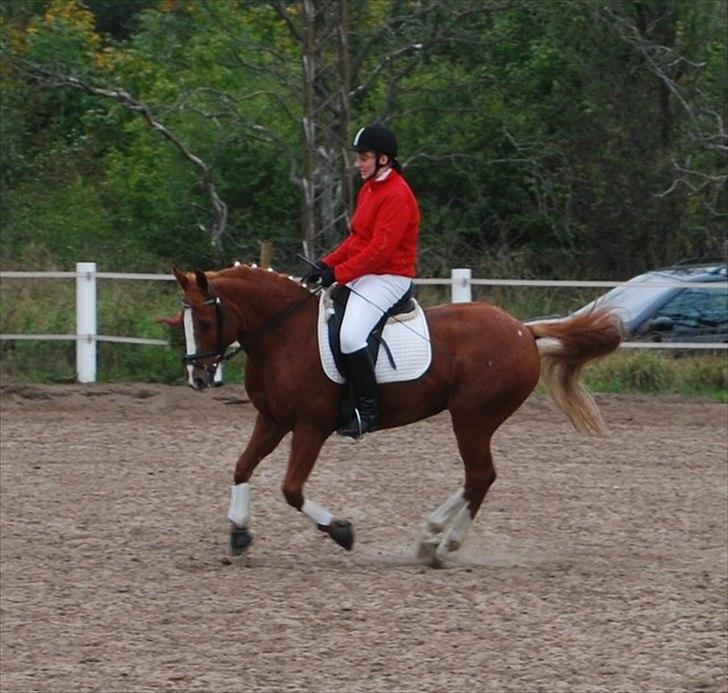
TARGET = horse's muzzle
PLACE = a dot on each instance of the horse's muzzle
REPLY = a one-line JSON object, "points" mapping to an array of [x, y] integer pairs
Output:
{"points": [[198, 383], [201, 378]]}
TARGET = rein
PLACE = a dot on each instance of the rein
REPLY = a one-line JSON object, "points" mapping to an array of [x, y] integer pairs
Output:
{"points": [[219, 353]]}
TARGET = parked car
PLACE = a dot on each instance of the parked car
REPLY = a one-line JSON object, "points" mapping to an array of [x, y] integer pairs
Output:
{"points": [[655, 307]]}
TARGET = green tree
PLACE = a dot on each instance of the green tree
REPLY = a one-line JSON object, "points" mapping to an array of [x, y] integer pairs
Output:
{"points": [[545, 138]]}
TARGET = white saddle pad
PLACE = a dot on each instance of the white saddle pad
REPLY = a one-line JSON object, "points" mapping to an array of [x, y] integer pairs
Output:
{"points": [[407, 336]]}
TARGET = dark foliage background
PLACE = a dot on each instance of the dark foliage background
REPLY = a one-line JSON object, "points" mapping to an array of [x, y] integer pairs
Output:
{"points": [[544, 139]]}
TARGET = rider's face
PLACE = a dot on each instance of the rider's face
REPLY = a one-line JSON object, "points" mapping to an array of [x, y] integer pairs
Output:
{"points": [[366, 164]]}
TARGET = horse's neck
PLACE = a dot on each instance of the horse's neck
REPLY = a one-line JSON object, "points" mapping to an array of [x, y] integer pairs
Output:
{"points": [[260, 296]]}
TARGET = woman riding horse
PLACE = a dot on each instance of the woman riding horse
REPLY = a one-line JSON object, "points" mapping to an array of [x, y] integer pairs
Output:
{"points": [[376, 262], [485, 363]]}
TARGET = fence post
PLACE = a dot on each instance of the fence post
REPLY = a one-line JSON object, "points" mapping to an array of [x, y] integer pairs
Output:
{"points": [[461, 287], [266, 254], [86, 322]]}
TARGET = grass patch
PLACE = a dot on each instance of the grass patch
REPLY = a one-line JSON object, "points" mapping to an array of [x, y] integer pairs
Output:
{"points": [[38, 307], [651, 372], [125, 309]]}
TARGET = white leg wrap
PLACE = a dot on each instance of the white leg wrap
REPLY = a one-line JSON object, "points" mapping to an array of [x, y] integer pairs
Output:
{"points": [[239, 510], [454, 538], [431, 540], [316, 513], [437, 521]]}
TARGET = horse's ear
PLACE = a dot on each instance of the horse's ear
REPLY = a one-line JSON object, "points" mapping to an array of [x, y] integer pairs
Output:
{"points": [[182, 279], [201, 279]]}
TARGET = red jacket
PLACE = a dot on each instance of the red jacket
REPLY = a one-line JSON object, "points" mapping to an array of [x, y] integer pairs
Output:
{"points": [[385, 232]]}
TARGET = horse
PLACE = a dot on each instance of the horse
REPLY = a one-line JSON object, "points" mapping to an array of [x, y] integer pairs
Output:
{"points": [[485, 364]]}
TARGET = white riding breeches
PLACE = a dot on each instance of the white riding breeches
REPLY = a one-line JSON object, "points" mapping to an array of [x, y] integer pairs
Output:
{"points": [[371, 296]]}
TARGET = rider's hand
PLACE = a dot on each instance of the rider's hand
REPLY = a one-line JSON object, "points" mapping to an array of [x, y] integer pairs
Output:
{"points": [[327, 277], [314, 275]]}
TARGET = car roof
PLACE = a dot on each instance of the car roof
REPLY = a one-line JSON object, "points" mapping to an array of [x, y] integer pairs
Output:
{"points": [[642, 295], [632, 301], [704, 272]]}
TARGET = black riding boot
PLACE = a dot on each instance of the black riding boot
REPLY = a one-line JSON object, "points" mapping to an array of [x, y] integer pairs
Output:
{"points": [[360, 373]]}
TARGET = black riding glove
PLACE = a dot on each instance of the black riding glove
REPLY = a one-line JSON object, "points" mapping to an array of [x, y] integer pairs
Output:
{"points": [[327, 277], [314, 274]]}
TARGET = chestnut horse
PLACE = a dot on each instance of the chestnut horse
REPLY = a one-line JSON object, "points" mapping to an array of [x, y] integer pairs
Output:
{"points": [[485, 363]]}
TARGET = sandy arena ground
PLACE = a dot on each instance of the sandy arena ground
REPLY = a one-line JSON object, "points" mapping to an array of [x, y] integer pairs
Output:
{"points": [[594, 565]]}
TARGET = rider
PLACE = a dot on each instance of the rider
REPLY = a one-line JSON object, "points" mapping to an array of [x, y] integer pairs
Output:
{"points": [[376, 261]]}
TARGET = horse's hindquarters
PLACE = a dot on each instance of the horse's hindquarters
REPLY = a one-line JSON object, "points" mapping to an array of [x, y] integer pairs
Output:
{"points": [[491, 359], [484, 364]]}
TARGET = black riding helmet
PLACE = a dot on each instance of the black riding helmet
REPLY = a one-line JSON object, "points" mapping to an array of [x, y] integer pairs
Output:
{"points": [[376, 138], [380, 140]]}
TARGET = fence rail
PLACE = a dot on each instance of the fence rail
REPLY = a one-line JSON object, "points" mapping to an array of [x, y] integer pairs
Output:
{"points": [[460, 282]]}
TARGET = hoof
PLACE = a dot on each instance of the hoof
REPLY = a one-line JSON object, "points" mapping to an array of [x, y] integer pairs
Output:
{"points": [[443, 552], [427, 554], [426, 551], [342, 533], [438, 562], [240, 539]]}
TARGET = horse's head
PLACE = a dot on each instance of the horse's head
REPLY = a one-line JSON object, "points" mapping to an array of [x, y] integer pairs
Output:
{"points": [[210, 326]]}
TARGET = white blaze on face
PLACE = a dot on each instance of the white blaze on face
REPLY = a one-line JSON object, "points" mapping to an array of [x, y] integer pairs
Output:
{"points": [[190, 341]]}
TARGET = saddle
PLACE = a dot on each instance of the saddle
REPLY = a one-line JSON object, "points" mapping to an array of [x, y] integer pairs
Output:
{"points": [[402, 335], [339, 298]]}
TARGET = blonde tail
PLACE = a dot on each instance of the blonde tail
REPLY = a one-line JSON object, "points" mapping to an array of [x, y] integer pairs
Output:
{"points": [[565, 348]]}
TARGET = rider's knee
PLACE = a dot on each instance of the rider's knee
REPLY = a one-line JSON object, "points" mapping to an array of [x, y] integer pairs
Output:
{"points": [[351, 341]]}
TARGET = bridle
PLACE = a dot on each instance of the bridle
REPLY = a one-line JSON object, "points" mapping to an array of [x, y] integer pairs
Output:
{"points": [[219, 352]]}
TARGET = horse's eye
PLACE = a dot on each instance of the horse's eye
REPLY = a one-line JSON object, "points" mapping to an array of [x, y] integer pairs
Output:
{"points": [[205, 325]]}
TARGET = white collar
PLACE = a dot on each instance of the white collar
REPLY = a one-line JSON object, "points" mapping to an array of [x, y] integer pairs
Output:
{"points": [[384, 174]]}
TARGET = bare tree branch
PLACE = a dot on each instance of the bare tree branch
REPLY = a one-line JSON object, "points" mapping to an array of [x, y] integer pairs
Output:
{"points": [[281, 10], [383, 65], [123, 97], [253, 130], [282, 75], [705, 127]]}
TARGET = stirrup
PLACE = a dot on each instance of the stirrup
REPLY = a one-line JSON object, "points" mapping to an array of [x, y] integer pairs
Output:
{"points": [[346, 429]]}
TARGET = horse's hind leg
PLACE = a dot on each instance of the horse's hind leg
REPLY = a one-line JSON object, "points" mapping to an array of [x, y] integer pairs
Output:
{"points": [[436, 524], [266, 436], [306, 444], [473, 438]]}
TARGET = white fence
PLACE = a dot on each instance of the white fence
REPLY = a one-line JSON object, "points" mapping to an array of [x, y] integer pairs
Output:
{"points": [[461, 283]]}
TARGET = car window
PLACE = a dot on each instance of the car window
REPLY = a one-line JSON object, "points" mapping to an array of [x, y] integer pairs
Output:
{"points": [[630, 300], [697, 311]]}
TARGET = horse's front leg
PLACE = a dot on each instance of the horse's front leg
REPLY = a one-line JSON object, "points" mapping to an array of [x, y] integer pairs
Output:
{"points": [[306, 444], [266, 436]]}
